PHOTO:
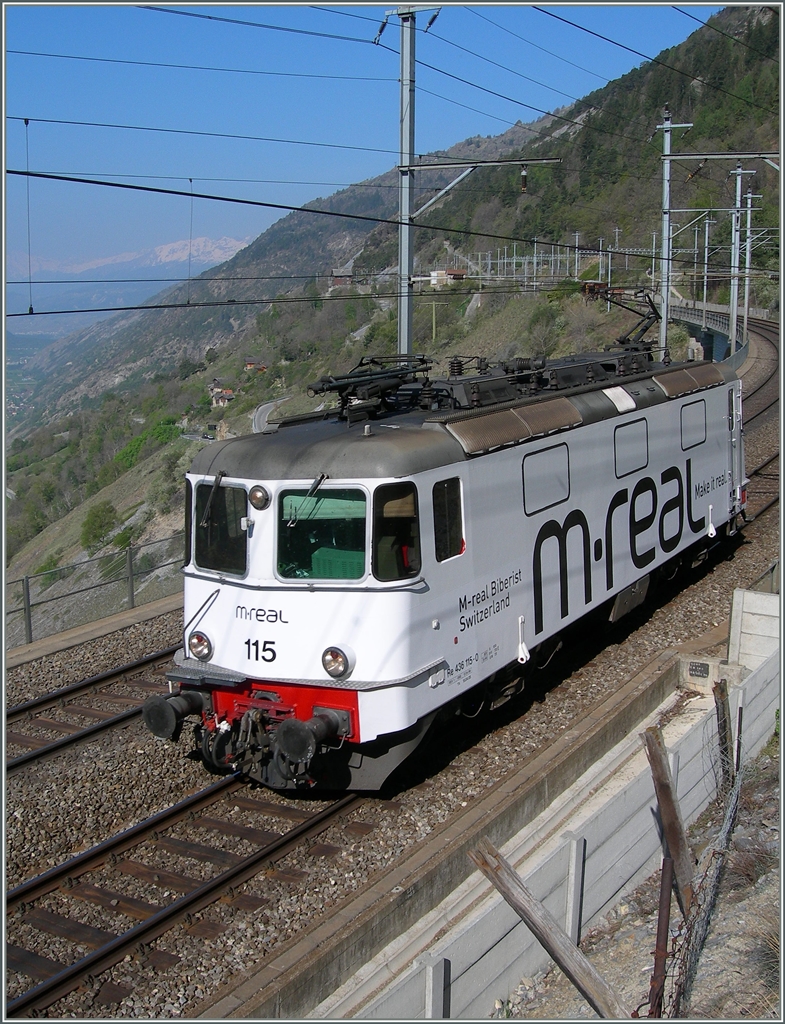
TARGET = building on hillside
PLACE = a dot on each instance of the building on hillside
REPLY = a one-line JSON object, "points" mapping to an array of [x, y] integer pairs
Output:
{"points": [[254, 364], [341, 276], [222, 398]]}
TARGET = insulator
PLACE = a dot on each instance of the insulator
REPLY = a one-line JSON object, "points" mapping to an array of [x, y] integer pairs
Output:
{"points": [[523, 178], [456, 367]]}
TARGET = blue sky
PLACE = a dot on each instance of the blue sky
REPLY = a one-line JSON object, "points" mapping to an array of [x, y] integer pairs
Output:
{"points": [[307, 88]]}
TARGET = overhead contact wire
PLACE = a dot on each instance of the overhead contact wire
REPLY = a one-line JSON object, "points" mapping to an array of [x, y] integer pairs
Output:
{"points": [[295, 209]]}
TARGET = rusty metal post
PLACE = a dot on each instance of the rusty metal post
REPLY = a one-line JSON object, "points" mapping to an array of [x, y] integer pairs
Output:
{"points": [[739, 721], [28, 612], [130, 569], [725, 735], [661, 949]]}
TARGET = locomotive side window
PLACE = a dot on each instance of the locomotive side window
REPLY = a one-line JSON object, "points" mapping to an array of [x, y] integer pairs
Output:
{"points": [[631, 447], [321, 536], [448, 519], [546, 479], [693, 424], [396, 532], [221, 543]]}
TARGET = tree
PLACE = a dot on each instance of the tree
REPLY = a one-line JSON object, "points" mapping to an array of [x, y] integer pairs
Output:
{"points": [[100, 520]]}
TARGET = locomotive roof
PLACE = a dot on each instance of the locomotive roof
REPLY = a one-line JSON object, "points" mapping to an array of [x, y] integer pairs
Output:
{"points": [[404, 441], [396, 447]]}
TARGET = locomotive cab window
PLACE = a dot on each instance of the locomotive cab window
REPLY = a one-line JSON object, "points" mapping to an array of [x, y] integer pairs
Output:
{"points": [[396, 532], [220, 541], [448, 519], [321, 536]]}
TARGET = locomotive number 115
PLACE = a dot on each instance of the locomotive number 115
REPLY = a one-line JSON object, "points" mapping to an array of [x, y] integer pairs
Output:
{"points": [[265, 653]]}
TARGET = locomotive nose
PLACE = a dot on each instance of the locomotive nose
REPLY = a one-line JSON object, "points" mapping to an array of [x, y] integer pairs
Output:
{"points": [[163, 716]]}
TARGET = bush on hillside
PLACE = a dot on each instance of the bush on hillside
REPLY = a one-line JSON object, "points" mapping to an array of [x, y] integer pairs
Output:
{"points": [[99, 522]]}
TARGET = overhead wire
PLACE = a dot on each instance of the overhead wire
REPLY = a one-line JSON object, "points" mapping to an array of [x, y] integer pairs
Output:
{"points": [[654, 60], [288, 207], [203, 134], [457, 78], [299, 142], [537, 46], [727, 35], [256, 24], [512, 289], [203, 67], [504, 28]]}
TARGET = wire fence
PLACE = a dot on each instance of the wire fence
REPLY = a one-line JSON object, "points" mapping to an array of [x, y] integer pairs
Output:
{"points": [[44, 603]]}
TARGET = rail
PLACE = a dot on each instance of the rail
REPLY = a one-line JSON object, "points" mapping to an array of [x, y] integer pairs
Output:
{"points": [[43, 603]]}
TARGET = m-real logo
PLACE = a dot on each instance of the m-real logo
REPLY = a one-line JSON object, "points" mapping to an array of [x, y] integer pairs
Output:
{"points": [[674, 499]]}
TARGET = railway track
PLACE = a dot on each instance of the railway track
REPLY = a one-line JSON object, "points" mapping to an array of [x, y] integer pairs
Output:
{"points": [[761, 398], [50, 904], [32, 727], [763, 394]]}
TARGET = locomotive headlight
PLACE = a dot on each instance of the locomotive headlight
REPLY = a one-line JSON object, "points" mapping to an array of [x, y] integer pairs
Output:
{"points": [[338, 663], [259, 497], [200, 646]]}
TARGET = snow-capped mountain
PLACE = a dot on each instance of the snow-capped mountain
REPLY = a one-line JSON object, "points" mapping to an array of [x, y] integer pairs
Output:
{"points": [[204, 253], [103, 283]]}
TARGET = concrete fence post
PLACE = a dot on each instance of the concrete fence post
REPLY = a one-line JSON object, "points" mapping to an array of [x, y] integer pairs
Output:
{"points": [[575, 877], [437, 987]]}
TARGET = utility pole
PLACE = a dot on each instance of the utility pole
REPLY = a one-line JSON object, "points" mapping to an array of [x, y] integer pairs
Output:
{"points": [[609, 279], [769, 158], [599, 272], [433, 306], [406, 170], [577, 233], [406, 183], [748, 261], [706, 266], [735, 260], [667, 126]]}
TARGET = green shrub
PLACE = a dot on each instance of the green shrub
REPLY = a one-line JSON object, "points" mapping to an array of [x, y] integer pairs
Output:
{"points": [[98, 524], [123, 539]]}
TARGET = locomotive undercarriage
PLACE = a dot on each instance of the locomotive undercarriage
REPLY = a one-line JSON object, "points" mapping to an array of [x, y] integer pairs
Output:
{"points": [[268, 744]]}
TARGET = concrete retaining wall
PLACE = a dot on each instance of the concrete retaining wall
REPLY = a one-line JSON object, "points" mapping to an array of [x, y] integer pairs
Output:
{"points": [[754, 627], [596, 842]]}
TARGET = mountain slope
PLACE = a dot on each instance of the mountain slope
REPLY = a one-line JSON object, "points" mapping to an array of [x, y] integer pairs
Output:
{"points": [[609, 179]]}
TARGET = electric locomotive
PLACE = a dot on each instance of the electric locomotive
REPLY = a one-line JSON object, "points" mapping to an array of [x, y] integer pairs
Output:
{"points": [[353, 573]]}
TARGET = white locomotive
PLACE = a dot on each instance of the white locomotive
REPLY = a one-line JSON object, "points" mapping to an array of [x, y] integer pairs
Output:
{"points": [[351, 573]]}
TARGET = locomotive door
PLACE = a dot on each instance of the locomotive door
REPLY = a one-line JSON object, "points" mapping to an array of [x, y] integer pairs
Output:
{"points": [[735, 451]]}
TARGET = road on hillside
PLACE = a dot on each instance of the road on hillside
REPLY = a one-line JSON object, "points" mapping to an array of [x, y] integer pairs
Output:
{"points": [[262, 412]]}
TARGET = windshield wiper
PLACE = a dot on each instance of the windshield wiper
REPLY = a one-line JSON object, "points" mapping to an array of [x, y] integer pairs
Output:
{"points": [[311, 491], [204, 521]]}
